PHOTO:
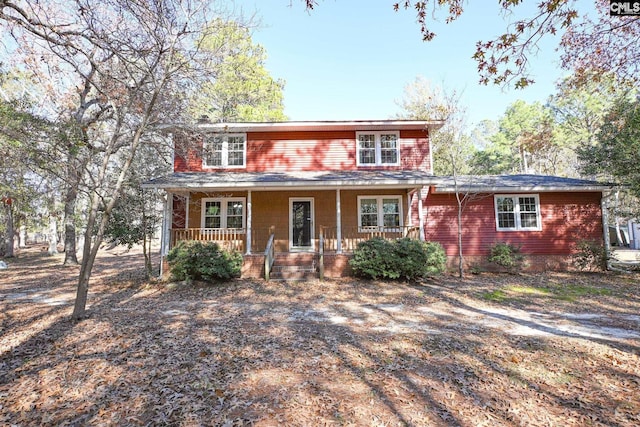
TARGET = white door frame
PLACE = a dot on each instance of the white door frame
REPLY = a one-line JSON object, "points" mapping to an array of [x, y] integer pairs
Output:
{"points": [[312, 225]]}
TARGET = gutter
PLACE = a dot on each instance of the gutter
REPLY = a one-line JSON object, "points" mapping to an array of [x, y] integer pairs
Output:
{"points": [[536, 189]]}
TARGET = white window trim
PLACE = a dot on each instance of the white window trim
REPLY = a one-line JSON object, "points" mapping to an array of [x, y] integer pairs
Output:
{"points": [[379, 199], [378, 161], [516, 211], [225, 151], [223, 214]]}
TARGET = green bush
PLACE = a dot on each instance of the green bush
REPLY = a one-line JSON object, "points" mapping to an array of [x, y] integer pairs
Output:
{"points": [[436, 261], [589, 255], [403, 258], [372, 258], [507, 256], [194, 260]]}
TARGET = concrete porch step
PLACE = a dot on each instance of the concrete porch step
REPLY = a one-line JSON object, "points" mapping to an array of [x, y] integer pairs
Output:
{"points": [[293, 274]]}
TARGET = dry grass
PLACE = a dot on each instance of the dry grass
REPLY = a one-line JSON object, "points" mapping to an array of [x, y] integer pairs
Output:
{"points": [[556, 349]]}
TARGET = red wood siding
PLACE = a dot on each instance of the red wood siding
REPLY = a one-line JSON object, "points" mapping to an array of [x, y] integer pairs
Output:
{"points": [[566, 218], [305, 151], [414, 150], [300, 151], [179, 212], [186, 155]]}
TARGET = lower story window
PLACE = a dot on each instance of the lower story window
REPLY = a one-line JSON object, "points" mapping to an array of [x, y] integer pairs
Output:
{"points": [[379, 212], [517, 212], [223, 212]]}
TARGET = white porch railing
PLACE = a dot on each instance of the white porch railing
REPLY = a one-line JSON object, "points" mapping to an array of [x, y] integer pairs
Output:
{"points": [[351, 236], [230, 239]]}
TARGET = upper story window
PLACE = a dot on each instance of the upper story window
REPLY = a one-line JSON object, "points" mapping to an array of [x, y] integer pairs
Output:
{"points": [[225, 151], [226, 212], [379, 213], [378, 148], [517, 212]]}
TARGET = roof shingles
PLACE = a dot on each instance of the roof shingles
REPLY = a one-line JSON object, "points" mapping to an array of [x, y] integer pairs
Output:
{"points": [[377, 178]]}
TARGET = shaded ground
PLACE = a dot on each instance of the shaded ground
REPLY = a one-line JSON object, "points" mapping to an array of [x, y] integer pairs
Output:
{"points": [[555, 349]]}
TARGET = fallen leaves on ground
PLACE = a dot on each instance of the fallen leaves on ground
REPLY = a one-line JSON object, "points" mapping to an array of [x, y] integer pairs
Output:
{"points": [[340, 352]]}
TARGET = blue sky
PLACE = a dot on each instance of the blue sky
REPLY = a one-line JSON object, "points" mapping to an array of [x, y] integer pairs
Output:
{"points": [[350, 59]]}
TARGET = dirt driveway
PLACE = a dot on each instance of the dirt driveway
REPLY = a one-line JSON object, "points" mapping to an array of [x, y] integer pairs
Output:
{"points": [[555, 349]]}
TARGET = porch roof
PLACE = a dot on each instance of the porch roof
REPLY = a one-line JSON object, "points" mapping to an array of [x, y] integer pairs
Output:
{"points": [[517, 183], [181, 181]]}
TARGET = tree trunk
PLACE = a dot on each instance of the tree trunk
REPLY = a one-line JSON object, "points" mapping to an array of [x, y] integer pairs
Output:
{"points": [[10, 231], [88, 259], [92, 244], [75, 167], [53, 235], [146, 249], [70, 257], [146, 238], [460, 257], [460, 207], [89, 252], [22, 236]]}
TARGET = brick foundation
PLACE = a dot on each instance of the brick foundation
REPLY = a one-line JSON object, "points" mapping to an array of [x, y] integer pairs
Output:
{"points": [[532, 263], [337, 265], [253, 267]]}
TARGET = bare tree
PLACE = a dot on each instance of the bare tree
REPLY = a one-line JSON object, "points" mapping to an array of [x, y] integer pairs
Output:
{"points": [[452, 147], [463, 187], [132, 62], [424, 101]]}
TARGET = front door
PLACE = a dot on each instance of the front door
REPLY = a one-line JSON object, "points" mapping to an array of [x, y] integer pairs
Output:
{"points": [[301, 224]]}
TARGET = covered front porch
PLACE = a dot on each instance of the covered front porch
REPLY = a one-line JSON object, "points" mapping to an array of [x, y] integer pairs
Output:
{"points": [[327, 253], [293, 218]]}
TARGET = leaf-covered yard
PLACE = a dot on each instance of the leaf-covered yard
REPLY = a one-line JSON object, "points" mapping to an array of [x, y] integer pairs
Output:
{"points": [[552, 349]]}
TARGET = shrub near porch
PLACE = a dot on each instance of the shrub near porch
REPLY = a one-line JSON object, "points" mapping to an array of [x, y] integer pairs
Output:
{"points": [[400, 259], [193, 260]]}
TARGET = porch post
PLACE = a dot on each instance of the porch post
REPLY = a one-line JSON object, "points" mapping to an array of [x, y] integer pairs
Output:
{"points": [[338, 223], [420, 214], [249, 213], [409, 197], [186, 211]]}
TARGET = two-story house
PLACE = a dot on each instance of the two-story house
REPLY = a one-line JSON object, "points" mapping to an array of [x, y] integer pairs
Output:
{"points": [[302, 195]]}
